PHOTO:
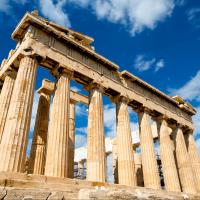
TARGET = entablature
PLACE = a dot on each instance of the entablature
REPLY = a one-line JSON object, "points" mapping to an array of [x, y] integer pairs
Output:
{"points": [[87, 69]]}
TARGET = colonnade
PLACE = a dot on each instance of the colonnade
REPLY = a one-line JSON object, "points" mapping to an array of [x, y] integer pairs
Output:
{"points": [[52, 151]]}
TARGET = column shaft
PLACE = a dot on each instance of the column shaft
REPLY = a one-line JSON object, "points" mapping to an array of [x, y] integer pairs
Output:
{"points": [[149, 163], [170, 173], [6, 94], [38, 148], [183, 163], [71, 140], [115, 161], [96, 168], [126, 166], [194, 158], [15, 135], [57, 148]]}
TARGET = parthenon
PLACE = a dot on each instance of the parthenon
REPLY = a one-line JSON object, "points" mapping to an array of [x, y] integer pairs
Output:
{"points": [[69, 55]]}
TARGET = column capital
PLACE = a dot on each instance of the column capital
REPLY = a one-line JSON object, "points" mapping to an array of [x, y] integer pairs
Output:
{"points": [[161, 118], [11, 72], [143, 109], [28, 52], [61, 69], [95, 85], [120, 98], [47, 87]]}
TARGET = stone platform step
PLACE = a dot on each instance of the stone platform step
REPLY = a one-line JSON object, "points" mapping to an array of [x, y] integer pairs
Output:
{"points": [[18, 186]]}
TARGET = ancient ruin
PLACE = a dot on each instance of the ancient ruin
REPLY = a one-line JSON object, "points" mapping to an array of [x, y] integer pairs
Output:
{"points": [[68, 55]]}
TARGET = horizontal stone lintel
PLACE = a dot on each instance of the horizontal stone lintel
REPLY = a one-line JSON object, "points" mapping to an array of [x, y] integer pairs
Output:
{"points": [[39, 48]]}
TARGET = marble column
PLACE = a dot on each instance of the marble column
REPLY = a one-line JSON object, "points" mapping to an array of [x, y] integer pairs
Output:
{"points": [[115, 161], [15, 135], [170, 172], [149, 163], [96, 166], [138, 170], [39, 142], [126, 166], [6, 94], [183, 163], [194, 158], [58, 133], [71, 144]]}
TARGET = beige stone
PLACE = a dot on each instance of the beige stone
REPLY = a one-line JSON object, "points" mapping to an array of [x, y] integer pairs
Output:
{"points": [[126, 166], [71, 144], [39, 142], [6, 94], [58, 135], [115, 160], [15, 135], [183, 163], [194, 158], [138, 170], [96, 167], [149, 164], [170, 173]]}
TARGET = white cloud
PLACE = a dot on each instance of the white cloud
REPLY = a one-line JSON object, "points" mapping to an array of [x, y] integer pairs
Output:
{"points": [[6, 6], [80, 140], [81, 110], [196, 120], [34, 110], [137, 15], [75, 89], [110, 120], [190, 90], [54, 11], [193, 15], [159, 65], [143, 64], [198, 145]]}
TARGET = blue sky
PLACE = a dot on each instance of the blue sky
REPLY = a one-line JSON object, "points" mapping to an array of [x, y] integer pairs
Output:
{"points": [[156, 40]]}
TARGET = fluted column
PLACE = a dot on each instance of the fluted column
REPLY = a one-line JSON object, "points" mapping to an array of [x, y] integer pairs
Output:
{"points": [[96, 168], [194, 158], [6, 94], [71, 139], [126, 166], [15, 135], [58, 134], [170, 173], [115, 161], [183, 163], [149, 163], [39, 142]]}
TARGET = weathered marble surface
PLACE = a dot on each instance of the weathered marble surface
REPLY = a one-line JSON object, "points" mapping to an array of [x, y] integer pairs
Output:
{"points": [[20, 186]]}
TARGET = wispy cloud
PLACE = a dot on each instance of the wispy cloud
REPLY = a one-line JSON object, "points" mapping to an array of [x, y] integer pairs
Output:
{"points": [[193, 15], [190, 90], [143, 63], [55, 11], [6, 6], [159, 65]]}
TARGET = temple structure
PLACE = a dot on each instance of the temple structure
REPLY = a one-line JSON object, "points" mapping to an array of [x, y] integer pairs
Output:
{"points": [[68, 55]]}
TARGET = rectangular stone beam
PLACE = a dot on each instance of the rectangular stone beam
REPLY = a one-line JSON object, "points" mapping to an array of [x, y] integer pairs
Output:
{"points": [[79, 97]]}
